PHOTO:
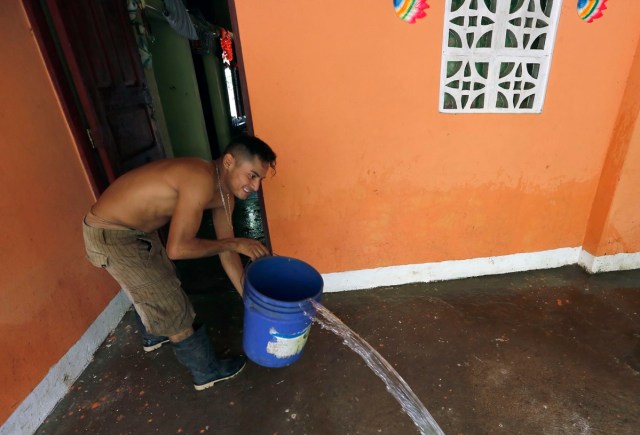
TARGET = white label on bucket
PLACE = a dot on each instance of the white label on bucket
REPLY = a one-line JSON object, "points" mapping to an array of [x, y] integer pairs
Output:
{"points": [[287, 345]]}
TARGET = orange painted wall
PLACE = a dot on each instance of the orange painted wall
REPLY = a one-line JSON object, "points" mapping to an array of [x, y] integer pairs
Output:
{"points": [[622, 231], [371, 174], [614, 225], [49, 294]]}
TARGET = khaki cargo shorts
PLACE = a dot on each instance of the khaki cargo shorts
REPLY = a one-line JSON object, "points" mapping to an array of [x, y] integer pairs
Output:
{"points": [[138, 261]]}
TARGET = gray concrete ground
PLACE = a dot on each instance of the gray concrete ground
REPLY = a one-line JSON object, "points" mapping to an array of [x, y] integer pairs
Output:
{"points": [[543, 352]]}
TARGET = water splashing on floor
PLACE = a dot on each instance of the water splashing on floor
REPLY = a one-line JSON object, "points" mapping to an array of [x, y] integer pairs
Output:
{"points": [[395, 384]]}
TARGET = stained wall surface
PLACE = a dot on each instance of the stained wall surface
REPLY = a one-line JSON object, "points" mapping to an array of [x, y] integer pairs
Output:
{"points": [[613, 225], [371, 174], [49, 294]]}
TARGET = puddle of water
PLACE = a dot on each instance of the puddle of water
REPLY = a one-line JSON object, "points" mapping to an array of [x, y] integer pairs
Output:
{"points": [[395, 384]]}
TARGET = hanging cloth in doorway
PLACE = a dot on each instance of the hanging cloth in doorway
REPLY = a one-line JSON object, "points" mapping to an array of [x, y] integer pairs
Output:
{"points": [[178, 18], [207, 34], [136, 18]]}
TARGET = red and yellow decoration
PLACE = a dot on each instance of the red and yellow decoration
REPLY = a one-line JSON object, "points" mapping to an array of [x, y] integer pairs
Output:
{"points": [[227, 46]]}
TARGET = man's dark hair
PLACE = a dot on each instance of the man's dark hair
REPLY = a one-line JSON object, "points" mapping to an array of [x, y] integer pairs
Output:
{"points": [[245, 146]]}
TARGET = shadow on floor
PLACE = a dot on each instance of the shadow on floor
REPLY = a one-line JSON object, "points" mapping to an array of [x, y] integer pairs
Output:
{"points": [[543, 352]]}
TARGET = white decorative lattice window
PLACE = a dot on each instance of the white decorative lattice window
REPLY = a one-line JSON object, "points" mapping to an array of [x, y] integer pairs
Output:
{"points": [[496, 55]]}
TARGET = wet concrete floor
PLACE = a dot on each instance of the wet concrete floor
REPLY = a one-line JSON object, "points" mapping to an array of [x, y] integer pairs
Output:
{"points": [[543, 352]]}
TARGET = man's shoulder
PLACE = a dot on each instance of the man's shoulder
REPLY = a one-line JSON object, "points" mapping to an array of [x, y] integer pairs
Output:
{"points": [[190, 173], [178, 173], [180, 167], [194, 162]]}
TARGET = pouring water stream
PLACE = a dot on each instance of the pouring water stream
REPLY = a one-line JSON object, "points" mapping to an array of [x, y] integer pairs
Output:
{"points": [[397, 386]]}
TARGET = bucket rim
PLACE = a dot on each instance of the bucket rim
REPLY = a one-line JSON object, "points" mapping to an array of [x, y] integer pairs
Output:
{"points": [[256, 294], [276, 257]]}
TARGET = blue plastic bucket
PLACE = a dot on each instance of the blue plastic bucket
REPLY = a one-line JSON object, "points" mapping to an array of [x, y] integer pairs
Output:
{"points": [[276, 295]]}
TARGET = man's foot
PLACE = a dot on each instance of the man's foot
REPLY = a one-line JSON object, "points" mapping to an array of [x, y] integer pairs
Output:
{"points": [[227, 369], [196, 353], [152, 342]]}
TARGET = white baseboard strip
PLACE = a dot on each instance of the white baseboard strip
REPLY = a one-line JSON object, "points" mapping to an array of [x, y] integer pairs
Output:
{"points": [[609, 263], [40, 402], [446, 270]]}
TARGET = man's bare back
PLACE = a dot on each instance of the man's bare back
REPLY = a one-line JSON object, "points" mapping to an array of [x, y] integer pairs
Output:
{"points": [[145, 199]]}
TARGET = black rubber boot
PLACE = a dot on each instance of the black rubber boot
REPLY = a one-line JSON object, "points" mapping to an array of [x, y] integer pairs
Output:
{"points": [[195, 353], [150, 342]]}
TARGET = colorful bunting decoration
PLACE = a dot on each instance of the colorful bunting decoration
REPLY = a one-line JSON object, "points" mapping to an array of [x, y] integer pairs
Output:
{"points": [[410, 10], [590, 10]]}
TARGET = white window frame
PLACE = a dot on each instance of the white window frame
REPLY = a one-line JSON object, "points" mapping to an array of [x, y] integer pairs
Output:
{"points": [[495, 55]]}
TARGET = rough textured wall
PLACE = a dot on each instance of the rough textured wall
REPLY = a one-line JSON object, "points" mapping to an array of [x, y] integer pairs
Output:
{"points": [[371, 174], [49, 294]]}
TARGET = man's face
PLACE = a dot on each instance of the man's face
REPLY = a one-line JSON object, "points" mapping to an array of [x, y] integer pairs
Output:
{"points": [[245, 175]]}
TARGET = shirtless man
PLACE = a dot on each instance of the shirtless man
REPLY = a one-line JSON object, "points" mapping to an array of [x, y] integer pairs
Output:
{"points": [[120, 233]]}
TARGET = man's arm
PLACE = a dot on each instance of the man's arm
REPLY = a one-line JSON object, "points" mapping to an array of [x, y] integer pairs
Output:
{"points": [[230, 260], [182, 242], [234, 269]]}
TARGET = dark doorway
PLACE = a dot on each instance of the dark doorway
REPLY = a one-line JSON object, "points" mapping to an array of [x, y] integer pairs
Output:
{"points": [[93, 57]]}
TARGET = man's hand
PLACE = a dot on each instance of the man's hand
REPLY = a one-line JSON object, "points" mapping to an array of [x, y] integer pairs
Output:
{"points": [[231, 260], [251, 248]]}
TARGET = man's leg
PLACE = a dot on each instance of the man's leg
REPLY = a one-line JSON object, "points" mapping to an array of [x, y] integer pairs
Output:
{"points": [[139, 263], [193, 350]]}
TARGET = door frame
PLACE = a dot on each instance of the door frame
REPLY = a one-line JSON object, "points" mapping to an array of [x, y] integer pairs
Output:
{"points": [[66, 91]]}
